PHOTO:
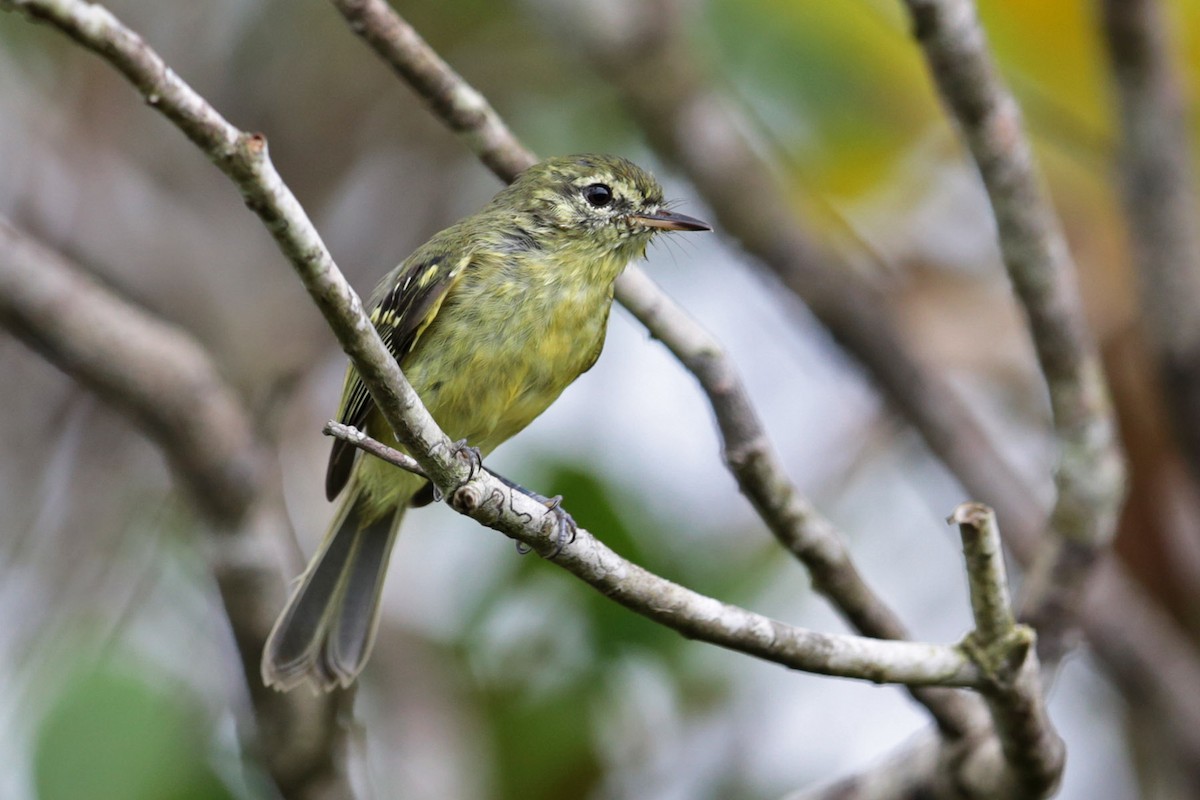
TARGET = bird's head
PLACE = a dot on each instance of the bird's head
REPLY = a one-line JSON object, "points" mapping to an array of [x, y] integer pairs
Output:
{"points": [[595, 201]]}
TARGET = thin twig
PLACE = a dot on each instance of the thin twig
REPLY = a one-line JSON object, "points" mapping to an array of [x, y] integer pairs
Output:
{"points": [[166, 382], [243, 158], [348, 433], [1033, 751], [986, 576], [760, 474]]}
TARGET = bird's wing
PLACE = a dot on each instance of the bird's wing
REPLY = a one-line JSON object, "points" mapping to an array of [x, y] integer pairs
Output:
{"points": [[403, 307]]}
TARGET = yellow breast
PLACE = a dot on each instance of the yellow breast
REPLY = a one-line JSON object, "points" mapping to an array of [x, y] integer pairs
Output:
{"points": [[505, 345]]}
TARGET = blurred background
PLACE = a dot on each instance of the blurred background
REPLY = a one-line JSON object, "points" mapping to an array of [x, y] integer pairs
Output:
{"points": [[497, 675]]}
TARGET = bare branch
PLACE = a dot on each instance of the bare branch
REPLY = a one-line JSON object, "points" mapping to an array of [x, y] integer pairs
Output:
{"points": [[243, 158], [693, 614], [789, 515], [1091, 474], [1025, 756], [699, 617], [1033, 751], [167, 384], [152, 371]]}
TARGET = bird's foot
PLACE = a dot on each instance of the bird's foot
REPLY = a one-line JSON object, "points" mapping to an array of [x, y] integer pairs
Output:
{"points": [[474, 460], [471, 455], [564, 523]]}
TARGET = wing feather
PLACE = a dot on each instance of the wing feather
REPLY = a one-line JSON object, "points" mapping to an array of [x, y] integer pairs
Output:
{"points": [[402, 308]]}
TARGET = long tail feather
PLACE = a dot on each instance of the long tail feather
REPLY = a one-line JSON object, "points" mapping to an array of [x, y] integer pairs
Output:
{"points": [[326, 631]]}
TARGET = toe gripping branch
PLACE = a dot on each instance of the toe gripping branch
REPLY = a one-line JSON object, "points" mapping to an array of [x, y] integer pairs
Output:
{"points": [[564, 522]]}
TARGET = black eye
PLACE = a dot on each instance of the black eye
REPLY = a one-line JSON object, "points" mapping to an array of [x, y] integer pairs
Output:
{"points": [[598, 195]]}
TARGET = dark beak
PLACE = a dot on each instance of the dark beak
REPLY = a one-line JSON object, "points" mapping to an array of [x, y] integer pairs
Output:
{"points": [[670, 221]]}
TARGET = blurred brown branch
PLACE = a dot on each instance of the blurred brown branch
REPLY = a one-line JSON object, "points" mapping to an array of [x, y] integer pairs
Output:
{"points": [[167, 383], [1160, 201], [1163, 212]]}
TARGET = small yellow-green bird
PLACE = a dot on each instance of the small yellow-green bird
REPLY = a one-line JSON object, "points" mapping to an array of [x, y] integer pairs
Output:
{"points": [[490, 320]]}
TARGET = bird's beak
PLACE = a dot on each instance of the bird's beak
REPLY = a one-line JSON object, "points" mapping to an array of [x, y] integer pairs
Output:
{"points": [[670, 221]]}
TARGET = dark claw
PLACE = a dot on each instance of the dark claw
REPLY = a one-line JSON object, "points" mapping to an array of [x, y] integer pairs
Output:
{"points": [[472, 455], [474, 461], [564, 522]]}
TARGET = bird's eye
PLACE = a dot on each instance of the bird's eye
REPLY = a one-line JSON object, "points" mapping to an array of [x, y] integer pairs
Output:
{"points": [[598, 195]]}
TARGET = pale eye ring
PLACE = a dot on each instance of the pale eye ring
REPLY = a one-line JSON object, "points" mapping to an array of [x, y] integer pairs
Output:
{"points": [[598, 195]]}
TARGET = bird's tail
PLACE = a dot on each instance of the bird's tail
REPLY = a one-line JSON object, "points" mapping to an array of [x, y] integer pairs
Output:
{"points": [[326, 631]]}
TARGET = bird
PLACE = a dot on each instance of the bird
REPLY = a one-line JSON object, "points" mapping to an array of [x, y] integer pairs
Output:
{"points": [[490, 320]]}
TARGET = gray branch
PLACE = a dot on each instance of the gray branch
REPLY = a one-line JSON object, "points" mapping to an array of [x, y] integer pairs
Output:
{"points": [[158, 375], [1030, 753], [464, 110], [166, 382], [692, 614]]}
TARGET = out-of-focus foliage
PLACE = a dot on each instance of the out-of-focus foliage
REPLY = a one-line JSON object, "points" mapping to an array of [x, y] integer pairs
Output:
{"points": [[837, 86], [112, 735]]}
